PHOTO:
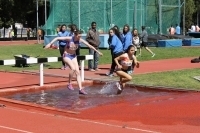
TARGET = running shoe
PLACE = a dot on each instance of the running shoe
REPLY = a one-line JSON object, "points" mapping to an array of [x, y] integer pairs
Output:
{"points": [[97, 69], [70, 87], [109, 74], [62, 68], [82, 92], [119, 92], [66, 66], [92, 70], [118, 86]]}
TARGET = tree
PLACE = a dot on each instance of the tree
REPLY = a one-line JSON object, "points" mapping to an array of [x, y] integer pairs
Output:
{"points": [[25, 11], [196, 14], [190, 9], [6, 13], [12, 11]]}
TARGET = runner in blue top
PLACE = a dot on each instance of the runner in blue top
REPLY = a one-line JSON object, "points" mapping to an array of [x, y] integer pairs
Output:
{"points": [[70, 58]]}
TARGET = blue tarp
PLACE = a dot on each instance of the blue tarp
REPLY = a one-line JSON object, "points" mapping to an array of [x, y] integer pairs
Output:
{"points": [[170, 43], [191, 42]]}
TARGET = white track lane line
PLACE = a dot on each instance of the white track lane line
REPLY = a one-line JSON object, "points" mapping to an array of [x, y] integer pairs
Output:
{"points": [[15, 129]]}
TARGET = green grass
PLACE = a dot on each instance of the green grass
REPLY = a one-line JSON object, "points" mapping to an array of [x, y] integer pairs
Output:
{"points": [[179, 79], [7, 52]]}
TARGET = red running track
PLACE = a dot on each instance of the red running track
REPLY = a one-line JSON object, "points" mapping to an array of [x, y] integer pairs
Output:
{"points": [[21, 42], [177, 113]]}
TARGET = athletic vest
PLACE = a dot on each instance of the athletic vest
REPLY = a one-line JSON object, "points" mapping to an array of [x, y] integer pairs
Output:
{"points": [[70, 44]]}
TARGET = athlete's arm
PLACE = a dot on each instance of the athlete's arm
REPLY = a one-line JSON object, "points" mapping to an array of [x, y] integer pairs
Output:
{"points": [[117, 59], [137, 63], [90, 46], [56, 39]]}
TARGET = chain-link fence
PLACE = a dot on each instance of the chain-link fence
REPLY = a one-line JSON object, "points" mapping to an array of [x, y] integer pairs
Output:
{"points": [[156, 15]]}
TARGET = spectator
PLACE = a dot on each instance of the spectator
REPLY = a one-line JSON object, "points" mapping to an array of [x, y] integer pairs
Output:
{"points": [[197, 28], [62, 43], [193, 28], [58, 29], [136, 41], [93, 39], [15, 32], [28, 30], [39, 33], [178, 29], [144, 39], [172, 30], [116, 48], [12, 35], [126, 37]]}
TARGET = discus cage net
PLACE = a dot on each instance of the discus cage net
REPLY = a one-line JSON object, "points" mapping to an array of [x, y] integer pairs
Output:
{"points": [[156, 15]]}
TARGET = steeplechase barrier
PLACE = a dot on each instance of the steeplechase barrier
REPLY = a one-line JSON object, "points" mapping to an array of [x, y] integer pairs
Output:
{"points": [[32, 60]]}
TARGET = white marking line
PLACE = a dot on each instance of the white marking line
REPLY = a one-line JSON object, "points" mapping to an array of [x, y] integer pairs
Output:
{"points": [[111, 125], [94, 122], [15, 129]]}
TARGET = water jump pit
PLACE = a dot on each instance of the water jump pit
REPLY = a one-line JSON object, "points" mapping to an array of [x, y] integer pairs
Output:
{"points": [[99, 94]]}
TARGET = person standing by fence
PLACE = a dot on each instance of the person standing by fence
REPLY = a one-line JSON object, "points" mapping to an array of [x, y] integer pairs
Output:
{"points": [[28, 31], [39, 33], [178, 30], [93, 39], [12, 35]]}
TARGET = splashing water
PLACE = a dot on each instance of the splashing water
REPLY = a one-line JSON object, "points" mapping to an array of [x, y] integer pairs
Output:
{"points": [[42, 98], [109, 88]]}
